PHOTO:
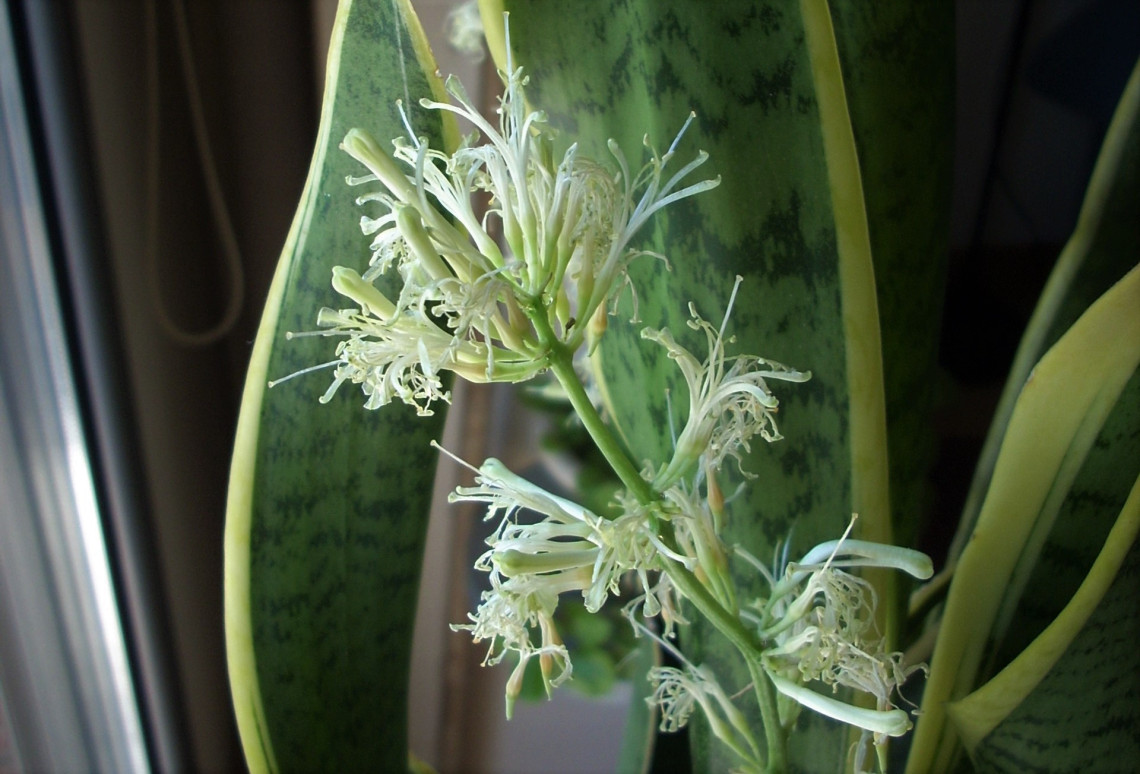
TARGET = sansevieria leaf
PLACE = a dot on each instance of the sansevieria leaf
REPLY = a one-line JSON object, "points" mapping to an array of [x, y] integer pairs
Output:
{"points": [[1061, 554], [791, 216], [1040, 581], [1071, 700], [328, 503], [1104, 245], [1058, 417]]}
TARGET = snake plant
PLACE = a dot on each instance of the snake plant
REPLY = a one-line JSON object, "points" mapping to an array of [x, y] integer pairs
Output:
{"points": [[683, 197]]}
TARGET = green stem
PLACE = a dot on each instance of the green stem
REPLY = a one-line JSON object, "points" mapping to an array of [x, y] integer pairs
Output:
{"points": [[769, 715], [749, 647], [560, 359]]}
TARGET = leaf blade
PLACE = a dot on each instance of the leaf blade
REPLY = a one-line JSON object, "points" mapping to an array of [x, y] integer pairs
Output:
{"points": [[1096, 256], [308, 528], [1038, 454], [977, 715]]}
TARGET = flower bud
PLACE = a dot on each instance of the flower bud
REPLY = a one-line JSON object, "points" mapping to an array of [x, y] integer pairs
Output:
{"points": [[351, 285], [427, 257]]}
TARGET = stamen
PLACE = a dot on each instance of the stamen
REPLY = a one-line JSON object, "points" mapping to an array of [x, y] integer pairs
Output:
{"points": [[303, 371], [458, 459], [669, 413], [665, 644], [680, 134], [839, 542], [728, 311]]}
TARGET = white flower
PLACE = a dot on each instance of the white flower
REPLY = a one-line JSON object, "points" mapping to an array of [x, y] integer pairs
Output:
{"points": [[729, 399], [819, 623], [695, 528], [880, 723], [400, 351], [677, 691], [674, 694], [466, 305], [570, 549], [506, 617], [465, 30]]}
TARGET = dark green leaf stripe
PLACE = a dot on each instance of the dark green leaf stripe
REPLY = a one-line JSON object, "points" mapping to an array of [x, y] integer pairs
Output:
{"points": [[627, 69], [328, 504]]}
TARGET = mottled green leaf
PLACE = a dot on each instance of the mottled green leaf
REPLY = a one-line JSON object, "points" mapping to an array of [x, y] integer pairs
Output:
{"points": [[1060, 415], [1083, 713], [1018, 598], [1052, 571], [898, 67], [635, 68], [328, 504], [1071, 700]]}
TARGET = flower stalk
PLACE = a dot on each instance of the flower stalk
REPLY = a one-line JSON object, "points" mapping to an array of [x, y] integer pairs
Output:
{"points": [[508, 313]]}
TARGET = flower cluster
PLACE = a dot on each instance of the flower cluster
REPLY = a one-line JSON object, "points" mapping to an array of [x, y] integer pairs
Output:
{"points": [[491, 311], [531, 563], [467, 305], [677, 691], [819, 626]]}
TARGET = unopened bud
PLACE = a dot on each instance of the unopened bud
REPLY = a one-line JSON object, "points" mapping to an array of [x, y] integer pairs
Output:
{"points": [[412, 228], [514, 686], [546, 659], [351, 285]]}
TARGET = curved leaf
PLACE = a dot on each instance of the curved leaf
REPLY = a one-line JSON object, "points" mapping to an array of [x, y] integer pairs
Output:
{"points": [[1016, 599], [1102, 248], [1070, 700], [1058, 417], [327, 505], [898, 66], [1053, 566]]}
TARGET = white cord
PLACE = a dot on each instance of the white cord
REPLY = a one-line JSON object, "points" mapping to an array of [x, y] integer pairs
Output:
{"points": [[231, 253]]}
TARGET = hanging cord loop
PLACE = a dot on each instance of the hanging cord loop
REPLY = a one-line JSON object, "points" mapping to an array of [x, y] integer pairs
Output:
{"points": [[231, 253]]}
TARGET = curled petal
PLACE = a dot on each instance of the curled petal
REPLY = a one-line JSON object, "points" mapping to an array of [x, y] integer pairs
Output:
{"points": [[892, 722]]}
